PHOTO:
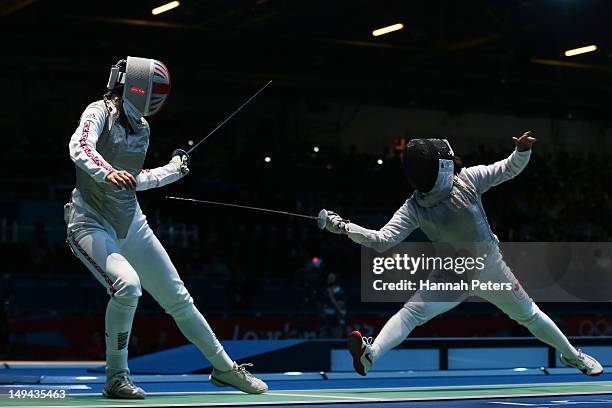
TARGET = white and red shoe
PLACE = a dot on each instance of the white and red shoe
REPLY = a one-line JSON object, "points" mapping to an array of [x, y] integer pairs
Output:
{"points": [[361, 350]]}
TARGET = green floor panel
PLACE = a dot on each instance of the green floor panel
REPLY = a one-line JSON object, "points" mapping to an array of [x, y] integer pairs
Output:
{"points": [[327, 396], [157, 400]]}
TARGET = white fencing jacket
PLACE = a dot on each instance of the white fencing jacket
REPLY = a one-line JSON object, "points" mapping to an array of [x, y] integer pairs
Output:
{"points": [[449, 214], [101, 145]]}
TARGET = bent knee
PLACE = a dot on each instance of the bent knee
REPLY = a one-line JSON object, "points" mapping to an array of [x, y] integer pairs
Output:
{"points": [[128, 287]]}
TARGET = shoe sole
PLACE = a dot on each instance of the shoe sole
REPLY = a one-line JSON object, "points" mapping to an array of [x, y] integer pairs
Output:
{"points": [[109, 396], [218, 383], [355, 346]]}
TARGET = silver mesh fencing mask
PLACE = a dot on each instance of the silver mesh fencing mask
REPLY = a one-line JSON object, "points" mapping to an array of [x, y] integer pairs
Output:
{"points": [[146, 83]]}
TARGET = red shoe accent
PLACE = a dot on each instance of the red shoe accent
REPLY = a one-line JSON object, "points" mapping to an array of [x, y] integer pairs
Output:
{"points": [[355, 346]]}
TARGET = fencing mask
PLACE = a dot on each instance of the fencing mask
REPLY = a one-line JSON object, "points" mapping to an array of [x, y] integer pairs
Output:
{"points": [[427, 163], [146, 83]]}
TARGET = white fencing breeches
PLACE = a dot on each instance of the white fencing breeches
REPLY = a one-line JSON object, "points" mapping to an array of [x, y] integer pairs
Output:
{"points": [[423, 307], [125, 267]]}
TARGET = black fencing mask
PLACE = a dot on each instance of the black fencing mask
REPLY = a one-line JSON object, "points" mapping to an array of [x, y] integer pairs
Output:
{"points": [[424, 159]]}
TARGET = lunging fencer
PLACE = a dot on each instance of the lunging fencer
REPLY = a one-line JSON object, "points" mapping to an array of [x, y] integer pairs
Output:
{"points": [[109, 233], [447, 207]]}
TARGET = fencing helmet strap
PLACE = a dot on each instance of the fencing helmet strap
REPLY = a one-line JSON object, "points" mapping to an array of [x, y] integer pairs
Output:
{"points": [[117, 75], [426, 161], [146, 83]]}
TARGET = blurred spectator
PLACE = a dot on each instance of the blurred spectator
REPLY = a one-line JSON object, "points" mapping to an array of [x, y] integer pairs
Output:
{"points": [[333, 325]]}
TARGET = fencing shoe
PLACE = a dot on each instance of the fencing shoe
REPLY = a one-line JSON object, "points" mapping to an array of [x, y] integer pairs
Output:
{"points": [[239, 378], [585, 363], [120, 386], [361, 350]]}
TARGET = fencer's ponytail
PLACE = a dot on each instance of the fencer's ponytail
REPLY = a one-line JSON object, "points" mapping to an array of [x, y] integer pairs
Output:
{"points": [[114, 95], [458, 164]]}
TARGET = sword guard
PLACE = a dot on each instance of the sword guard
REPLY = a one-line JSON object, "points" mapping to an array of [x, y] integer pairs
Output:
{"points": [[181, 153], [322, 219]]}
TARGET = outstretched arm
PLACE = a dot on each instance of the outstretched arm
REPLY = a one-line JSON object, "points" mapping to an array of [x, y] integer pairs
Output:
{"points": [[485, 177], [395, 231], [161, 176]]}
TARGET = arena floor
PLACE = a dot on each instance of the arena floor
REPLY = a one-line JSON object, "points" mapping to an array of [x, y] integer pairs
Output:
{"points": [[533, 395], [530, 389]]}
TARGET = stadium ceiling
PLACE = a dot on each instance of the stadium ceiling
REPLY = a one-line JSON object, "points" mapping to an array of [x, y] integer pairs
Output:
{"points": [[453, 54]]}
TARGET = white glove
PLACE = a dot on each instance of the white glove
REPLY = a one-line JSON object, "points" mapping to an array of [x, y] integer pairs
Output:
{"points": [[335, 223], [181, 163]]}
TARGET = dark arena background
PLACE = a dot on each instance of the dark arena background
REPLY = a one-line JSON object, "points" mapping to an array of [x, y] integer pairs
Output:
{"points": [[327, 133]]}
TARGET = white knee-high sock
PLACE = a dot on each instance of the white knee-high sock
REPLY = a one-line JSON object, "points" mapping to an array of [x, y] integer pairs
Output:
{"points": [[542, 327], [119, 317], [197, 330]]}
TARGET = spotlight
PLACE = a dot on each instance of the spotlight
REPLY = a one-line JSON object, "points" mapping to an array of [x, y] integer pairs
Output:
{"points": [[379, 161], [165, 7], [190, 142], [581, 50], [268, 159], [315, 149], [387, 30]]}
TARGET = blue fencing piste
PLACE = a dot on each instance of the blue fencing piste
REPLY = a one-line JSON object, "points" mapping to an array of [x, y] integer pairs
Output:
{"points": [[188, 359]]}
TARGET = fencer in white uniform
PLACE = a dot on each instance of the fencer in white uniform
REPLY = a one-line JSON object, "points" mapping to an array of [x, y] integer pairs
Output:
{"points": [[109, 233], [447, 207]]}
